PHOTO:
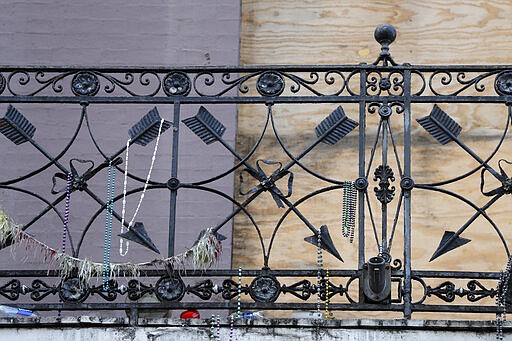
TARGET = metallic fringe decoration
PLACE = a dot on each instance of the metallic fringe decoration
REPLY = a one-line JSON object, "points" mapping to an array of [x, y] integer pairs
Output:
{"points": [[205, 252], [7, 228]]}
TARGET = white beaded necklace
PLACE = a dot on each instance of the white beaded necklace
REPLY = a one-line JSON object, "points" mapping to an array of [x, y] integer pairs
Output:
{"points": [[121, 252]]}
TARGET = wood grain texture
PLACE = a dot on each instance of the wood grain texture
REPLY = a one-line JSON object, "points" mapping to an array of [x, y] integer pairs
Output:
{"points": [[341, 32]]}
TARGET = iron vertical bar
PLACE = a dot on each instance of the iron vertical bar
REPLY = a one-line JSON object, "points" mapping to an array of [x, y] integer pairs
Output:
{"points": [[362, 136], [407, 197], [174, 175], [384, 206]]}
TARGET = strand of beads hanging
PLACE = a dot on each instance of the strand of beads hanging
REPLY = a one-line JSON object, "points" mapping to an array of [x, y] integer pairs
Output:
{"points": [[66, 212], [319, 270], [111, 179], [212, 327], [348, 216], [66, 221], [231, 326], [123, 210], [501, 299], [239, 297], [328, 313], [218, 327], [111, 215], [141, 198]]}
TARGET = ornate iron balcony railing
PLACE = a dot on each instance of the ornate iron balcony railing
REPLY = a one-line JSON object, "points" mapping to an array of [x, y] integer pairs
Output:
{"points": [[385, 95]]}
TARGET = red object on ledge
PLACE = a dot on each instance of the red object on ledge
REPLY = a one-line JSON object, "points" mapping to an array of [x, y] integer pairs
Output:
{"points": [[190, 314]]}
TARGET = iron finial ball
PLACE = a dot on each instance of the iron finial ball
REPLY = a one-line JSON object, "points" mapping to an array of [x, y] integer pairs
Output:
{"points": [[385, 34]]}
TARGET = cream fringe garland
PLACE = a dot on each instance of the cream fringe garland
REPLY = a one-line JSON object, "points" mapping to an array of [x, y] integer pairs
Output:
{"points": [[205, 252]]}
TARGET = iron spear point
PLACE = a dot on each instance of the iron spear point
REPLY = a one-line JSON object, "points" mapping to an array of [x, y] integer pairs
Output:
{"points": [[325, 243], [138, 234], [449, 242]]}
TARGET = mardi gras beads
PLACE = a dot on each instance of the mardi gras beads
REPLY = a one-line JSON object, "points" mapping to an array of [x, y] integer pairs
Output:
{"points": [[111, 181], [348, 215]]}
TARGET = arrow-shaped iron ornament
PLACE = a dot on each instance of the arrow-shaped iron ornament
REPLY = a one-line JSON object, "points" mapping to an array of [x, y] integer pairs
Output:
{"points": [[335, 126], [325, 242], [441, 126], [449, 242], [331, 130], [146, 129], [204, 125], [218, 236], [138, 234], [16, 127], [267, 182], [444, 129]]}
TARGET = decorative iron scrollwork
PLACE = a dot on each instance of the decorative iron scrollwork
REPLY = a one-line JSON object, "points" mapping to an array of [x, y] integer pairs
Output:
{"points": [[506, 181], [176, 84], [447, 291], [385, 110], [333, 289], [302, 289], [230, 289], [384, 192], [407, 183], [85, 84], [35, 82], [265, 288], [170, 289], [11, 290], [203, 289], [137, 289], [268, 182], [385, 83], [443, 83], [397, 264], [3, 83], [40, 290], [270, 84], [391, 83], [503, 83], [361, 184], [110, 294], [79, 182], [73, 290], [477, 291]]}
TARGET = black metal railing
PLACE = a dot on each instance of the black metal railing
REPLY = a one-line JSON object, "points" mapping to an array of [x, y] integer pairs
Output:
{"points": [[385, 94]]}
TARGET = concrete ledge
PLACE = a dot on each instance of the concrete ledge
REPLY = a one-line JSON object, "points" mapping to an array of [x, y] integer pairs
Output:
{"points": [[119, 329], [399, 324]]}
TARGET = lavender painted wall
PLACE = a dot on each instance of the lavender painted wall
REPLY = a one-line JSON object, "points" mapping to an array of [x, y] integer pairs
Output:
{"points": [[120, 33]]}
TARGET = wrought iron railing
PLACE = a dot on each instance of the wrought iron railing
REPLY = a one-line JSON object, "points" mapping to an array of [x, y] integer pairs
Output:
{"points": [[384, 92]]}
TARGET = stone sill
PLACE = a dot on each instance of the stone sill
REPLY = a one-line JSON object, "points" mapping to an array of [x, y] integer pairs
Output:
{"points": [[399, 324]]}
